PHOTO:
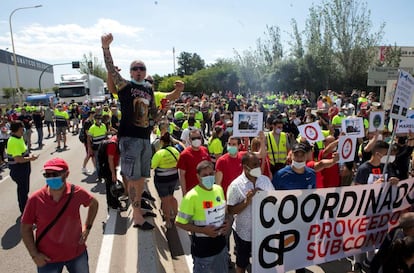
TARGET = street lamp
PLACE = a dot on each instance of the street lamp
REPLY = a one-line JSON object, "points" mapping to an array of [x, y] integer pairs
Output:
{"points": [[14, 52], [8, 68]]}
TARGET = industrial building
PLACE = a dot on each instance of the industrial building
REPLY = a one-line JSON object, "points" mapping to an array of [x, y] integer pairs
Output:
{"points": [[29, 74]]}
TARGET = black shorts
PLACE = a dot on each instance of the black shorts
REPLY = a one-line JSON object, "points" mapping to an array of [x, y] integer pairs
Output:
{"points": [[244, 251]]}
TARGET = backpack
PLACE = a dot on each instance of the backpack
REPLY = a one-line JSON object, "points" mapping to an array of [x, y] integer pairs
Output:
{"points": [[103, 164], [82, 135]]}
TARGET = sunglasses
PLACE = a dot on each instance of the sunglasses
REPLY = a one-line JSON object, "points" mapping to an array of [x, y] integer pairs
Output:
{"points": [[136, 68], [193, 138], [54, 174]]}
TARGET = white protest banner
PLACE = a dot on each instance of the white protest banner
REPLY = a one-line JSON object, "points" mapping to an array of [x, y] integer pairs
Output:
{"points": [[403, 96], [311, 131], [353, 126], [247, 124], [298, 228], [376, 121], [346, 148], [404, 126]]}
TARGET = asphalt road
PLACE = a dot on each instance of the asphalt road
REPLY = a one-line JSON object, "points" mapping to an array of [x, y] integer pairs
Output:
{"points": [[113, 245]]}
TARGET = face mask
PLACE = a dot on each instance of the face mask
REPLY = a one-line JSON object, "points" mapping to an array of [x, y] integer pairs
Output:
{"points": [[390, 160], [208, 181], [138, 82], [196, 143], [232, 149], [256, 172], [341, 114], [278, 131], [55, 183], [298, 165], [229, 129]]}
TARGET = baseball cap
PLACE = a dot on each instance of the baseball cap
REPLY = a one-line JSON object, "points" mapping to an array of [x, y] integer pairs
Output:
{"points": [[299, 147], [56, 164]]}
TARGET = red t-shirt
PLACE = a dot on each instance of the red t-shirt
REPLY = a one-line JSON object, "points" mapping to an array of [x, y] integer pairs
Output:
{"points": [[231, 167], [61, 242], [330, 176], [188, 162], [112, 149]]}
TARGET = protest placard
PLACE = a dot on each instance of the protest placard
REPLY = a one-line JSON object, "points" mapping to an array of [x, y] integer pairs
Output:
{"points": [[298, 228], [311, 131], [247, 124], [346, 148], [353, 126]]}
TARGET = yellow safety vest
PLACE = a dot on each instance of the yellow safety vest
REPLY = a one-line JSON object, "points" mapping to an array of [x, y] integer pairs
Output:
{"points": [[277, 153]]}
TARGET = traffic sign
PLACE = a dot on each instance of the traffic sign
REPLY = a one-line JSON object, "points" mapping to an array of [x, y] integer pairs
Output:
{"points": [[383, 73]]}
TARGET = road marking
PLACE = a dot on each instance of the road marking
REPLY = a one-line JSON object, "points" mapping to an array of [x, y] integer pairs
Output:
{"points": [[104, 260], [4, 179], [186, 245]]}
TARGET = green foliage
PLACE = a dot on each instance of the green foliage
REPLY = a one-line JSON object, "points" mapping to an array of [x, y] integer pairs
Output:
{"points": [[189, 63], [97, 70], [392, 57]]}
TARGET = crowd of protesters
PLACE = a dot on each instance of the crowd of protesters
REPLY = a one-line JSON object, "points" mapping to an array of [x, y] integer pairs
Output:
{"points": [[189, 130]]}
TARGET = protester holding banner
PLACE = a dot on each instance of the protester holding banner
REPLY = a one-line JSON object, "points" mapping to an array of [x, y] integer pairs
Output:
{"points": [[404, 148], [400, 258], [405, 228], [239, 198], [202, 212], [296, 176], [372, 171]]}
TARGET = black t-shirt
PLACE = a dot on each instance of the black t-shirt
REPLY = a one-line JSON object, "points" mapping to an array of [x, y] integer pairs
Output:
{"points": [[37, 120], [206, 246], [138, 110], [368, 173]]}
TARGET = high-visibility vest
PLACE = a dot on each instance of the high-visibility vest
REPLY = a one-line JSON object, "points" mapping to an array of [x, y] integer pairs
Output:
{"points": [[277, 153]]}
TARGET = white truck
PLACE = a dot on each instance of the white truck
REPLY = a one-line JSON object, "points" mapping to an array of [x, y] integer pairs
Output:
{"points": [[81, 87]]}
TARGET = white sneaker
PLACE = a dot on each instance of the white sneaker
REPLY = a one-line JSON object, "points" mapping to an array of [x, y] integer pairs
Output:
{"points": [[85, 171]]}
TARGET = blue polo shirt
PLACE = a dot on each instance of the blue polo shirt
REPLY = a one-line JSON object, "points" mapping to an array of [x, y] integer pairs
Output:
{"points": [[287, 179]]}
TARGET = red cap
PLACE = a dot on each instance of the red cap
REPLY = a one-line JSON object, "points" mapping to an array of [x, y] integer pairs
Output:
{"points": [[56, 164]]}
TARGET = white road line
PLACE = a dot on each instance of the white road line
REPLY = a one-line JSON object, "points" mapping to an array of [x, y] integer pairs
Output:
{"points": [[4, 178], [186, 245], [104, 260]]}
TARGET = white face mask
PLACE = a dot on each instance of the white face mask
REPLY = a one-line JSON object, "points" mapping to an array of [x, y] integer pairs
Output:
{"points": [[196, 143], [390, 160], [256, 172], [298, 165]]}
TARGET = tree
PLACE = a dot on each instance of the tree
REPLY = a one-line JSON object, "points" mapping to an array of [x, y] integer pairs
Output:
{"points": [[97, 68], [189, 63], [348, 23]]}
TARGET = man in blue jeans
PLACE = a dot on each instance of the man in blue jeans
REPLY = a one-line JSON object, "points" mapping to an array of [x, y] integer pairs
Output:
{"points": [[62, 243]]}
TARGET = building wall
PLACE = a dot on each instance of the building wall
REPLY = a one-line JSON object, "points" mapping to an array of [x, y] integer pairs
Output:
{"points": [[29, 72], [407, 57]]}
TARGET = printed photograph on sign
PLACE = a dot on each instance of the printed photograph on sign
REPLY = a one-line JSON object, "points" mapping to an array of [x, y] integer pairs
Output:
{"points": [[353, 127], [405, 126], [376, 121], [247, 124], [403, 96]]}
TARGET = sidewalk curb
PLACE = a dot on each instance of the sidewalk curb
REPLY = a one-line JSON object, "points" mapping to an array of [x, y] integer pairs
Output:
{"points": [[152, 253]]}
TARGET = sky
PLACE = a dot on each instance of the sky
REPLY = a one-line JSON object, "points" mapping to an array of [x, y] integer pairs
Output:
{"points": [[64, 31]]}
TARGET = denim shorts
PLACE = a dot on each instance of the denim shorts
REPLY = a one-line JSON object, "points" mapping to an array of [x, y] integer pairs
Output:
{"points": [[135, 157], [212, 264]]}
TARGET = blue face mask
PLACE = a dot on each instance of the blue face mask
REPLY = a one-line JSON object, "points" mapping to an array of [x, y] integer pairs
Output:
{"points": [[208, 181], [136, 82], [232, 149], [229, 129], [55, 183]]}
